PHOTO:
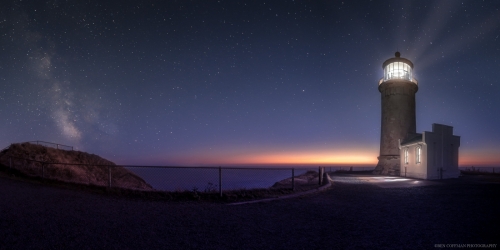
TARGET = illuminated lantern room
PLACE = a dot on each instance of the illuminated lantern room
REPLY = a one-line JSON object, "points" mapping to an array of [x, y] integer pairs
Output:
{"points": [[398, 68]]}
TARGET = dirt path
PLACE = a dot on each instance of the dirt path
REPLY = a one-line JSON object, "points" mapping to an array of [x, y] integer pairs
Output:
{"points": [[348, 216]]}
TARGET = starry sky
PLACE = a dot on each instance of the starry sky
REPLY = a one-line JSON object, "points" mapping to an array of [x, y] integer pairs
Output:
{"points": [[243, 82]]}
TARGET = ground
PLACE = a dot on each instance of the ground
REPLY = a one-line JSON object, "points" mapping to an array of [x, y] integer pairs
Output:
{"points": [[353, 214]]}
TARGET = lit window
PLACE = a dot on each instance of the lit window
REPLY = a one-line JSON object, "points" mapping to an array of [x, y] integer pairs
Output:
{"points": [[418, 153], [406, 156], [398, 70]]}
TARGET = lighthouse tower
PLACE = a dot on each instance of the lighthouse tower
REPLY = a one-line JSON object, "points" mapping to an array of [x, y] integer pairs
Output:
{"points": [[398, 88]]}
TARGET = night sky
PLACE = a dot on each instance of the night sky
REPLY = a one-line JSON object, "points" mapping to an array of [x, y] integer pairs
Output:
{"points": [[243, 82]]}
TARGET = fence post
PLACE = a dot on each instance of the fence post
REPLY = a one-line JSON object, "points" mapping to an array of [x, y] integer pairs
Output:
{"points": [[293, 179], [109, 176], [220, 181], [43, 171], [10, 162], [320, 175]]}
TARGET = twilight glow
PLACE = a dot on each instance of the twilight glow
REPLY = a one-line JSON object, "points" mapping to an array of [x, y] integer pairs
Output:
{"points": [[315, 156]]}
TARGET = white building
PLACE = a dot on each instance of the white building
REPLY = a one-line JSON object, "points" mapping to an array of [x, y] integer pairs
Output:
{"points": [[430, 155]]}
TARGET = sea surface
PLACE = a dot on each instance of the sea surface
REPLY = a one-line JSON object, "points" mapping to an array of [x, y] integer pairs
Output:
{"points": [[207, 179]]}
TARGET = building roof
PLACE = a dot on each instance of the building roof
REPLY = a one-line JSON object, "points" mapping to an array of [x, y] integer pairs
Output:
{"points": [[397, 59], [412, 138]]}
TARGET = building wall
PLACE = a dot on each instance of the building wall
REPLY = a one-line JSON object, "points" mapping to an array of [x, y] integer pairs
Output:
{"points": [[398, 114], [443, 152], [398, 119], [412, 168]]}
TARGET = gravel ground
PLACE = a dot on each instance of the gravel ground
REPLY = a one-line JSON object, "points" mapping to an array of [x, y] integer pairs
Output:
{"points": [[348, 216]]}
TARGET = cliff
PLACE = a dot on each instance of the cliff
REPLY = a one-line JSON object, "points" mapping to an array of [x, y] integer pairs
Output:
{"points": [[73, 166]]}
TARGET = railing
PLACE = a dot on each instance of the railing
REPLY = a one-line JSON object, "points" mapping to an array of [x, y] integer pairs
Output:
{"points": [[54, 145], [172, 178], [493, 170], [382, 80]]}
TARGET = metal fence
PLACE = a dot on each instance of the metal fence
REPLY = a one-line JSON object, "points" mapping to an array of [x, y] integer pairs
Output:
{"points": [[53, 145], [494, 170], [167, 178]]}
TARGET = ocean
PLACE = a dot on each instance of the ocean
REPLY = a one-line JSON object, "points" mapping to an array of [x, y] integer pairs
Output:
{"points": [[206, 179]]}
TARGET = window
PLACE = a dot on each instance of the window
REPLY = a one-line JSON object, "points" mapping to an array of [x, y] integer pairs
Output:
{"points": [[418, 154], [397, 70], [406, 155]]}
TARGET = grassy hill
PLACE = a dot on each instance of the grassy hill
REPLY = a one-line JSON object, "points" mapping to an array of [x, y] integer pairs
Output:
{"points": [[75, 166]]}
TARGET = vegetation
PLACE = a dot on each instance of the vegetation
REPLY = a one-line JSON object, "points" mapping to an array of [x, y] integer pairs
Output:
{"points": [[68, 166]]}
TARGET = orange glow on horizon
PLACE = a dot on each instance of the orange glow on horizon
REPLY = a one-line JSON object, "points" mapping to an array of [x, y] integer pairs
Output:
{"points": [[309, 158], [283, 157], [353, 155], [485, 157]]}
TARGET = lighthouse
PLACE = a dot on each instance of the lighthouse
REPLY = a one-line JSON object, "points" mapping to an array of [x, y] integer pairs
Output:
{"points": [[397, 89]]}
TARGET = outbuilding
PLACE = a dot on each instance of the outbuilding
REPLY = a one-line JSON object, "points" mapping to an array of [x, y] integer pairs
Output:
{"points": [[430, 155]]}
